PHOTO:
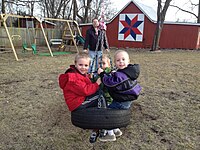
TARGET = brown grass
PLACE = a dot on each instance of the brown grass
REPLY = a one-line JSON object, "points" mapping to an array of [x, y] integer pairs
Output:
{"points": [[33, 114]]}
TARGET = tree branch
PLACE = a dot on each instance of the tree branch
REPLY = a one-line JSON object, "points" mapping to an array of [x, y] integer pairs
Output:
{"points": [[184, 10]]}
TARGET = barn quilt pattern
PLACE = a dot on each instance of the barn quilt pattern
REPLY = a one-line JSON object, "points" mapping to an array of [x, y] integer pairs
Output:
{"points": [[131, 27]]}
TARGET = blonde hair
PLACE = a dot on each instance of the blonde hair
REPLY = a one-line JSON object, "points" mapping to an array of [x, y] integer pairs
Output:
{"points": [[106, 57], [120, 51], [81, 55]]}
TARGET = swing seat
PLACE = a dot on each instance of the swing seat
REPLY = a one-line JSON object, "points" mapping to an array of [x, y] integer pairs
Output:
{"points": [[55, 42], [100, 118], [16, 36], [33, 48], [80, 39], [25, 47]]}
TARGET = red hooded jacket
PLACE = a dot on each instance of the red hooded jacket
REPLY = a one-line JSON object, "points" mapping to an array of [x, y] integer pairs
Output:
{"points": [[76, 87]]}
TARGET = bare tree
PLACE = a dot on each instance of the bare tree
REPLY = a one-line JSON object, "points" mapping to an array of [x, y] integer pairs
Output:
{"points": [[9, 6], [75, 9], [54, 9], [29, 4], [161, 13], [88, 9], [103, 7], [3, 7], [198, 19], [193, 5]]}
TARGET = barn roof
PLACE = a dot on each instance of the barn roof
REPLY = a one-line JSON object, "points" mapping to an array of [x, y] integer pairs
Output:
{"points": [[147, 10], [150, 13]]}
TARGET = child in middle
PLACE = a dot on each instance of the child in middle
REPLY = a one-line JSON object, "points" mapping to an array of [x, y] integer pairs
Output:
{"points": [[105, 64]]}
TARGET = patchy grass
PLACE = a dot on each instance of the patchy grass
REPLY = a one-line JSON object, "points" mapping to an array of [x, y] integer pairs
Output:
{"points": [[33, 114]]}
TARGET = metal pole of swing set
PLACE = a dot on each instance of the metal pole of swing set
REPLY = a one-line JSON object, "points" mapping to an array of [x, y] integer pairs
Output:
{"points": [[40, 21]]}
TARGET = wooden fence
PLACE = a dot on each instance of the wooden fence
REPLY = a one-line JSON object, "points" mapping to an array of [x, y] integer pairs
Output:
{"points": [[28, 36]]}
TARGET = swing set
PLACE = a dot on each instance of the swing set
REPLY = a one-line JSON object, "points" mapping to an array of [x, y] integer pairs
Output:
{"points": [[9, 36], [69, 30], [14, 33]]}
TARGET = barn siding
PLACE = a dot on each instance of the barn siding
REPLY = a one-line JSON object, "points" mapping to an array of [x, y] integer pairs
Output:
{"points": [[179, 36]]}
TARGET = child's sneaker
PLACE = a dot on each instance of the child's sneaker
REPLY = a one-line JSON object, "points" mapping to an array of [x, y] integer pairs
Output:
{"points": [[93, 137], [108, 137], [103, 132], [118, 133]]}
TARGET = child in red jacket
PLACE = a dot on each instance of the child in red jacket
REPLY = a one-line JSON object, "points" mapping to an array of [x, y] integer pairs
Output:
{"points": [[76, 84], [77, 87]]}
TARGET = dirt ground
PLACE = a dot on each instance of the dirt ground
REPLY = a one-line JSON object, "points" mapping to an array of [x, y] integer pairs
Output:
{"points": [[33, 114]]}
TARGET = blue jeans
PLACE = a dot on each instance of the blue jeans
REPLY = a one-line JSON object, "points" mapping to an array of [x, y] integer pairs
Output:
{"points": [[120, 105], [94, 61]]}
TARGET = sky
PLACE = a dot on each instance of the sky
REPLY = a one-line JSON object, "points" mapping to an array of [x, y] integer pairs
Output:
{"points": [[172, 14]]}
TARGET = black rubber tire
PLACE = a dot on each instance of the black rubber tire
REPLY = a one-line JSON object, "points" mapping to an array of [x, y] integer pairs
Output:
{"points": [[100, 118]]}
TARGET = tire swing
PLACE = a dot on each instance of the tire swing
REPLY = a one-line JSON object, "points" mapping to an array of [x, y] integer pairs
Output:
{"points": [[99, 117]]}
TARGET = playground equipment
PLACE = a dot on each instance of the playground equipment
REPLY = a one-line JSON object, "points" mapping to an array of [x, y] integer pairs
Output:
{"points": [[80, 39], [16, 35], [29, 26], [55, 42], [26, 48], [70, 30], [4, 19]]}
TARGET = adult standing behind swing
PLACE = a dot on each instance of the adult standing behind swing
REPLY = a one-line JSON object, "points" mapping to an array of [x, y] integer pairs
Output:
{"points": [[95, 40]]}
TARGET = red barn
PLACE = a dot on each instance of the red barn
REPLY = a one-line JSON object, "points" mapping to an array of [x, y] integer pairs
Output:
{"points": [[135, 24]]}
